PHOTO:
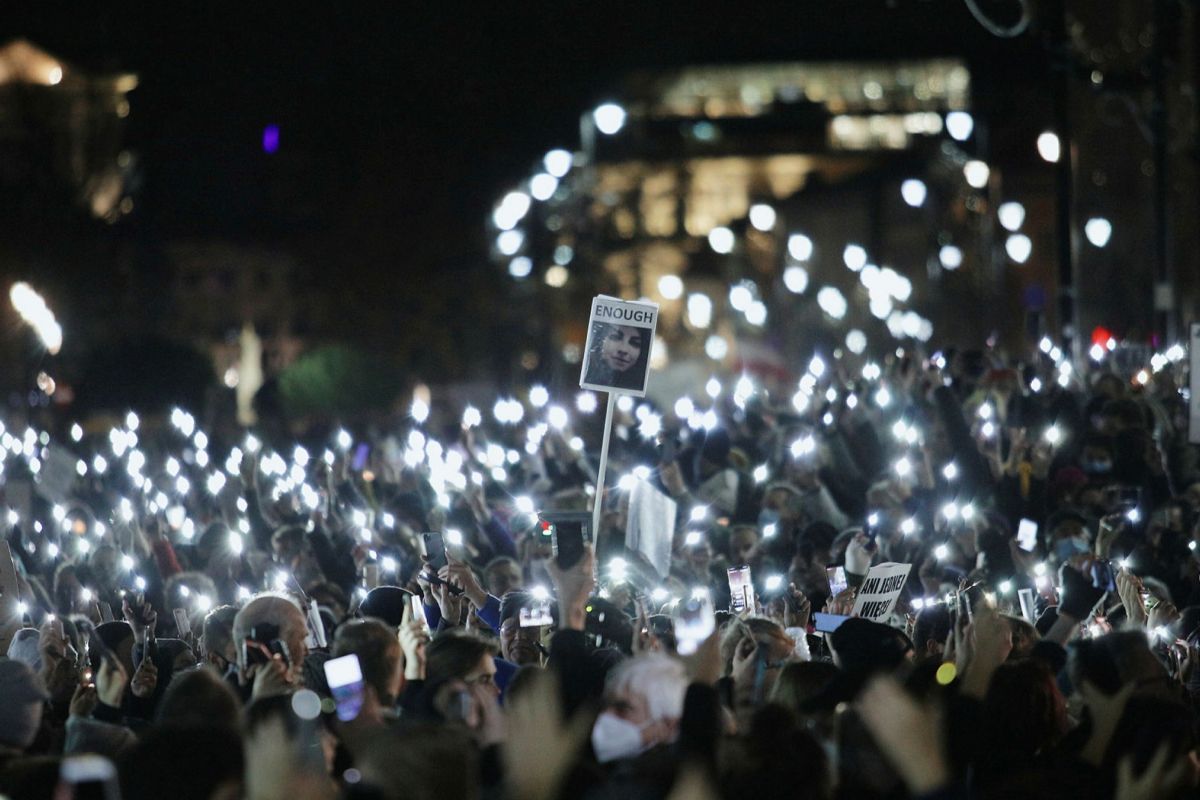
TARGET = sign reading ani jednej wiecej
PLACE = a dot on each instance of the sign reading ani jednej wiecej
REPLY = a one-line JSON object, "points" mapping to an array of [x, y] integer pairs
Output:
{"points": [[617, 355]]}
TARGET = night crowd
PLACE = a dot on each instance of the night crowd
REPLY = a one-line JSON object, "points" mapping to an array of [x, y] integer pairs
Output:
{"points": [[182, 597]]}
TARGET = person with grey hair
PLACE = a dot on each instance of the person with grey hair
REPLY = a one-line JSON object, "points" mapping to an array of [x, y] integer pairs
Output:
{"points": [[266, 618], [643, 705]]}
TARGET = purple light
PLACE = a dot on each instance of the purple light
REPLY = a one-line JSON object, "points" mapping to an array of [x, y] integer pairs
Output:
{"points": [[270, 139]]}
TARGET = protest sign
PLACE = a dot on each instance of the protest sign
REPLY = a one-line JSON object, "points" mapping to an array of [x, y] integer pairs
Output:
{"points": [[651, 525], [616, 357], [880, 590]]}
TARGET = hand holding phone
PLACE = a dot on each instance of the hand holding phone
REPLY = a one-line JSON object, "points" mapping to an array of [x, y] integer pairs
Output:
{"points": [[345, 679], [435, 551]]}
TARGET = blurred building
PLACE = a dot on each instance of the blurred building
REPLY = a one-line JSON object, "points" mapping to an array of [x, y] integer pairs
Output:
{"points": [[771, 209]]}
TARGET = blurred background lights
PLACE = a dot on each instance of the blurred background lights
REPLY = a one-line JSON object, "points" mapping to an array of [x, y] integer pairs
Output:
{"points": [[762, 216], [699, 310], [977, 173], [1019, 247], [856, 341], [609, 118], [715, 347], [913, 191], [950, 256], [556, 276], [832, 302], [557, 162], [542, 186], [509, 242], [520, 267], [800, 247], [1098, 231], [270, 139], [1011, 215], [795, 279], [855, 257], [721, 240], [670, 287], [1048, 146], [959, 124]]}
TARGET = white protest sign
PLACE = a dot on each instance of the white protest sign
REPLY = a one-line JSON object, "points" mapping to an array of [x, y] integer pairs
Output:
{"points": [[616, 357], [880, 590], [1194, 387], [651, 526]]}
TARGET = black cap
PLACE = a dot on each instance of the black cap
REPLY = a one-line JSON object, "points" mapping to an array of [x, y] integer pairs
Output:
{"points": [[386, 603]]}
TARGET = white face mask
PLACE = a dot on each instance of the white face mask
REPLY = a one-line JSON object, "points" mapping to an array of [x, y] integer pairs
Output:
{"points": [[614, 738]]}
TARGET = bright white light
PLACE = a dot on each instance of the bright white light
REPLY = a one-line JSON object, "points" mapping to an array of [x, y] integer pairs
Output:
{"points": [[804, 446], [511, 210], [33, 309], [1054, 435], [903, 467], [950, 256], [774, 583], [215, 483], [941, 552], [883, 398], [959, 125], [800, 247], [712, 388], [132, 421], [557, 162], [1011, 215], [832, 302], [1005, 587], [684, 407], [699, 309], [76, 433], [977, 173], [542, 186], [908, 527], [586, 402], [856, 341], [538, 396], [795, 279], [913, 191], [557, 276], [1049, 147], [1098, 231], [609, 118], [855, 257], [740, 297], [509, 242], [471, 417], [762, 216], [761, 473], [756, 314], [670, 287], [1019, 247], [950, 471], [721, 239], [715, 347], [651, 426], [520, 267]]}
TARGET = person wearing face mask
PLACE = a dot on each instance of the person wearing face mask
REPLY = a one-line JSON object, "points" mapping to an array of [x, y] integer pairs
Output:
{"points": [[1068, 535], [643, 705]]}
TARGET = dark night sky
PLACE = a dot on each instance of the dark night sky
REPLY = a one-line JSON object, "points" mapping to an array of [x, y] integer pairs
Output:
{"points": [[402, 122]]}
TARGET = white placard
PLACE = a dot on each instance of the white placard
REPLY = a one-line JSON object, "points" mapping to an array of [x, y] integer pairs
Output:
{"points": [[616, 357], [651, 526], [880, 590]]}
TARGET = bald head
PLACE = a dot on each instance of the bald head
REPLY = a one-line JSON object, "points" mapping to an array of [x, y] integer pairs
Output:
{"points": [[278, 610]]}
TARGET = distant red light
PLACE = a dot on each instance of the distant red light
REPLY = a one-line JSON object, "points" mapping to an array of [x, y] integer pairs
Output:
{"points": [[1101, 335]]}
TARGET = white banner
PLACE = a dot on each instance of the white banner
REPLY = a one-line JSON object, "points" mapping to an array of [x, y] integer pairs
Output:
{"points": [[880, 590], [1194, 384], [651, 526]]}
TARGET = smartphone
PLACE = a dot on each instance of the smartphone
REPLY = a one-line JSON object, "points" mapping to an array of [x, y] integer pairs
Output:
{"points": [[435, 550], [1028, 605], [371, 574], [695, 623], [741, 590], [1027, 531], [87, 777], [570, 531], [345, 679], [827, 623], [536, 614], [183, 625], [106, 614], [1102, 576], [361, 454], [837, 580], [418, 612]]}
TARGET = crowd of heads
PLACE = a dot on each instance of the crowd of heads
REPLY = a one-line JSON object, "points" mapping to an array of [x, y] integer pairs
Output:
{"points": [[381, 609]]}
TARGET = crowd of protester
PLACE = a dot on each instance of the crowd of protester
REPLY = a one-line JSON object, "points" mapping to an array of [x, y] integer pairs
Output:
{"points": [[174, 600]]}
